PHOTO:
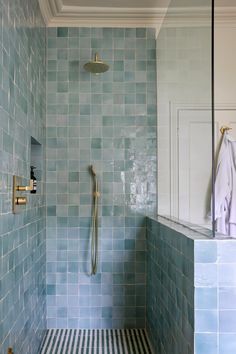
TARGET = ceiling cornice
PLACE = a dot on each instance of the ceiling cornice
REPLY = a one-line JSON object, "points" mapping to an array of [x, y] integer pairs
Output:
{"points": [[225, 16], [200, 17], [57, 14]]}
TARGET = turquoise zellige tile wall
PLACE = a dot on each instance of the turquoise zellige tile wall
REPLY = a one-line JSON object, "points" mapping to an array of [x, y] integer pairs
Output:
{"points": [[107, 120], [170, 289], [22, 236]]}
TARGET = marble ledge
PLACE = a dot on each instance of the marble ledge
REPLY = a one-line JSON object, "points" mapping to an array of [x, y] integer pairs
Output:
{"points": [[191, 231]]}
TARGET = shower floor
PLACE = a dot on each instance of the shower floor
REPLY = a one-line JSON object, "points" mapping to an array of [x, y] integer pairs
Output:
{"points": [[94, 341]]}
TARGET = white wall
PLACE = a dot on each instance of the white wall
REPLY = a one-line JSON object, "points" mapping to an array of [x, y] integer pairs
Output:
{"points": [[225, 79], [225, 65]]}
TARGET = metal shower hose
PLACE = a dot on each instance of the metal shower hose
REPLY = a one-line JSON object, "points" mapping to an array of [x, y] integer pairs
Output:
{"points": [[94, 229]]}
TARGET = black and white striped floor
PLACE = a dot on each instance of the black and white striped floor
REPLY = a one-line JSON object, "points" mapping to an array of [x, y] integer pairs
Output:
{"points": [[94, 341]]}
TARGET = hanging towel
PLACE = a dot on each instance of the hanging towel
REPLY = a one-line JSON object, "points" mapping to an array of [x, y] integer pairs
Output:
{"points": [[225, 188]]}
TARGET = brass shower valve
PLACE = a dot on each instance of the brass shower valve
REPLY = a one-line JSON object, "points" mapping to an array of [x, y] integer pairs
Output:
{"points": [[96, 194], [17, 198]]}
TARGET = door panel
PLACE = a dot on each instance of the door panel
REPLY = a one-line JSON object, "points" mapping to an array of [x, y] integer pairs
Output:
{"points": [[194, 158]]}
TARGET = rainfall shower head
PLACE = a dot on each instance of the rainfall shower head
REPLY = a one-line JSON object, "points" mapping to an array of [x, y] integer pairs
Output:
{"points": [[96, 66]]}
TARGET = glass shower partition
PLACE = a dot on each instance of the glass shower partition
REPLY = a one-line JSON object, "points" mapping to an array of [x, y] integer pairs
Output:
{"points": [[185, 116]]}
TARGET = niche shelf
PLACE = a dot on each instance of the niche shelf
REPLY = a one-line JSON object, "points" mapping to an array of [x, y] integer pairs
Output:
{"points": [[36, 160]]}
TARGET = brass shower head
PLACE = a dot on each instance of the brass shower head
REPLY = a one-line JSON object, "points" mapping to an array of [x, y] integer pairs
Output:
{"points": [[96, 66]]}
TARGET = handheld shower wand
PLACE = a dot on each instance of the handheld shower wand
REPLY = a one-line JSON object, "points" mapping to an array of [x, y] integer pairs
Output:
{"points": [[94, 227]]}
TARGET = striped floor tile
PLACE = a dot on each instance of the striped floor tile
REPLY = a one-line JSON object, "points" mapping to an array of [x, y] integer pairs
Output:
{"points": [[104, 341]]}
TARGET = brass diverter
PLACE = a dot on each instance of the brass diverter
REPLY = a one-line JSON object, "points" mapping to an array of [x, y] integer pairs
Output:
{"points": [[17, 198], [25, 188]]}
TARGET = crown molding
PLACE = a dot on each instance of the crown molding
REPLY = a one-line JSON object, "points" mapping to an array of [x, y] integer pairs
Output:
{"points": [[57, 14], [225, 16], [200, 17]]}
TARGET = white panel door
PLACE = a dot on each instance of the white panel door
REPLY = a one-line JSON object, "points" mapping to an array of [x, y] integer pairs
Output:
{"points": [[194, 161], [194, 167]]}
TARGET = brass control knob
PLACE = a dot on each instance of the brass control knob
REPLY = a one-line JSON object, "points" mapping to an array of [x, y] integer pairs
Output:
{"points": [[21, 201]]}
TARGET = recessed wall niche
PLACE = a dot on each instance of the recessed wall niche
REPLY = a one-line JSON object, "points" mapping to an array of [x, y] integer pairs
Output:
{"points": [[36, 160]]}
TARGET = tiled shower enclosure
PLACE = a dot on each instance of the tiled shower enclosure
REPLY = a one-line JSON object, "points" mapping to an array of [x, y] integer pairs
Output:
{"points": [[108, 121]]}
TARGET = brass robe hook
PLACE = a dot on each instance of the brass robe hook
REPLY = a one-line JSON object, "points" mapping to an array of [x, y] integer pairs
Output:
{"points": [[224, 128]]}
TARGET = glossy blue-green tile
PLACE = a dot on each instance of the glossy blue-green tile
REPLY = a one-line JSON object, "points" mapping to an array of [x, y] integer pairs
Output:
{"points": [[205, 252], [206, 343], [62, 32]]}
